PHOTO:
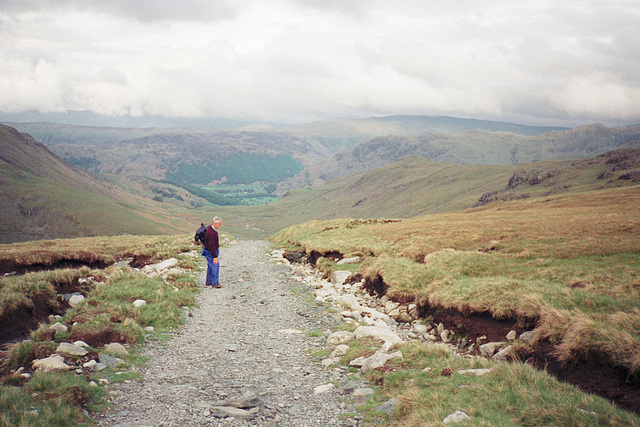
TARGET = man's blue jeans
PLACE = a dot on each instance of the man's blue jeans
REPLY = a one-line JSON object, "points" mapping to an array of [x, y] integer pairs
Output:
{"points": [[213, 270]]}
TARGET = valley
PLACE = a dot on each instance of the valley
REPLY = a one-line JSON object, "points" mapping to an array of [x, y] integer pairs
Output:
{"points": [[481, 229]]}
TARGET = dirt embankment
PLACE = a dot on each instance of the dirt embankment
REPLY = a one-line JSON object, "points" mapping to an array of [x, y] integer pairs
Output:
{"points": [[591, 373]]}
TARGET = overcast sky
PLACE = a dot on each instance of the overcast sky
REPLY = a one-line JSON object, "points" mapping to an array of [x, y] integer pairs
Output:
{"points": [[291, 61]]}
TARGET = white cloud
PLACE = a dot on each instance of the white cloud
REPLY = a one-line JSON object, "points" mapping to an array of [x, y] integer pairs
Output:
{"points": [[299, 60]]}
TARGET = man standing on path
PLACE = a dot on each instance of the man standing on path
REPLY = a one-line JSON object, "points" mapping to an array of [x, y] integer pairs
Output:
{"points": [[211, 251]]}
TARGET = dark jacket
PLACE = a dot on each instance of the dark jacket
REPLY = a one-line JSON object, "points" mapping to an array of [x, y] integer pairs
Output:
{"points": [[211, 242]]}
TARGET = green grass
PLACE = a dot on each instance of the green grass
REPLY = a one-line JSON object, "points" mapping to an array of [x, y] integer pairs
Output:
{"points": [[106, 315], [429, 387], [571, 263], [48, 399]]}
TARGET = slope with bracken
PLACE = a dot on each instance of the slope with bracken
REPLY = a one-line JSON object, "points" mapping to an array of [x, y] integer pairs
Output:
{"points": [[46, 197]]}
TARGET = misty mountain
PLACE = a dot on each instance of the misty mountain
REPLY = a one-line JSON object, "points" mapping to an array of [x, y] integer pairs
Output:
{"points": [[473, 147], [256, 153]]}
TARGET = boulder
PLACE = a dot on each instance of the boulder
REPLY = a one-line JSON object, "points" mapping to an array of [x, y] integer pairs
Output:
{"points": [[70, 349], [247, 400], [339, 351], [348, 300], [55, 362], [511, 335], [363, 392], [389, 306], [117, 349], [358, 362], [59, 327], [504, 354], [229, 411], [75, 300], [379, 332], [339, 337], [166, 264], [477, 372], [528, 337], [338, 277], [389, 405], [456, 417], [330, 361], [488, 349], [378, 360], [109, 361], [350, 260], [139, 303], [323, 388]]}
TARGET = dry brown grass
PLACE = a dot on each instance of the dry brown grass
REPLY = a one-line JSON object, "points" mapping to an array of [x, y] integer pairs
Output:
{"points": [[89, 250], [573, 262]]}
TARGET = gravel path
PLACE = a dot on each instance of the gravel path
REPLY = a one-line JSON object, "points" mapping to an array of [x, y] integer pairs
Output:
{"points": [[246, 340]]}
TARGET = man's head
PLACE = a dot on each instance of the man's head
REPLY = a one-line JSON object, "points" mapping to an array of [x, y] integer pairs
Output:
{"points": [[217, 221]]}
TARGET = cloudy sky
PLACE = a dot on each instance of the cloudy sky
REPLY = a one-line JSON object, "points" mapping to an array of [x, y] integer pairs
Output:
{"points": [[290, 61]]}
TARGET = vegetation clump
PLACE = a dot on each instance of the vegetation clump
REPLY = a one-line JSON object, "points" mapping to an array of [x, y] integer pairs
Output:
{"points": [[106, 315]]}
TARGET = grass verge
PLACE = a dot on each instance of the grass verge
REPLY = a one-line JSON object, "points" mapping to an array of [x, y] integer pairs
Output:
{"points": [[107, 315]]}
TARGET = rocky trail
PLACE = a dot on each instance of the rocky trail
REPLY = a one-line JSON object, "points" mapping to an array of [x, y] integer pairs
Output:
{"points": [[241, 358]]}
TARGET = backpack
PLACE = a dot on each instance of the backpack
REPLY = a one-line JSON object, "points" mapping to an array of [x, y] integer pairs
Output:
{"points": [[200, 232]]}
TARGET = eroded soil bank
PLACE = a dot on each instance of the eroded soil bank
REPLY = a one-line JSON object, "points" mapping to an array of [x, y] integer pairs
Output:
{"points": [[589, 373]]}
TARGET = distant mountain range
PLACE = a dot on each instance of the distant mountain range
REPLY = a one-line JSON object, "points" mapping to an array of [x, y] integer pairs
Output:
{"points": [[379, 167], [201, 155], [472, 147]]}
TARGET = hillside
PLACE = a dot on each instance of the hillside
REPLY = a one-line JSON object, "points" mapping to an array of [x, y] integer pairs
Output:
{"points": [[417, 185], [192, 155], [474, 147], [46, 197]]}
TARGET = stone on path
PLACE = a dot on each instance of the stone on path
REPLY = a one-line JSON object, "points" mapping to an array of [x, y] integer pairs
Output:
{"points": [[338, 277], [229, 411], [379, 332], [247, 400], [323, 388], [339, 337], [290, 331]]}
